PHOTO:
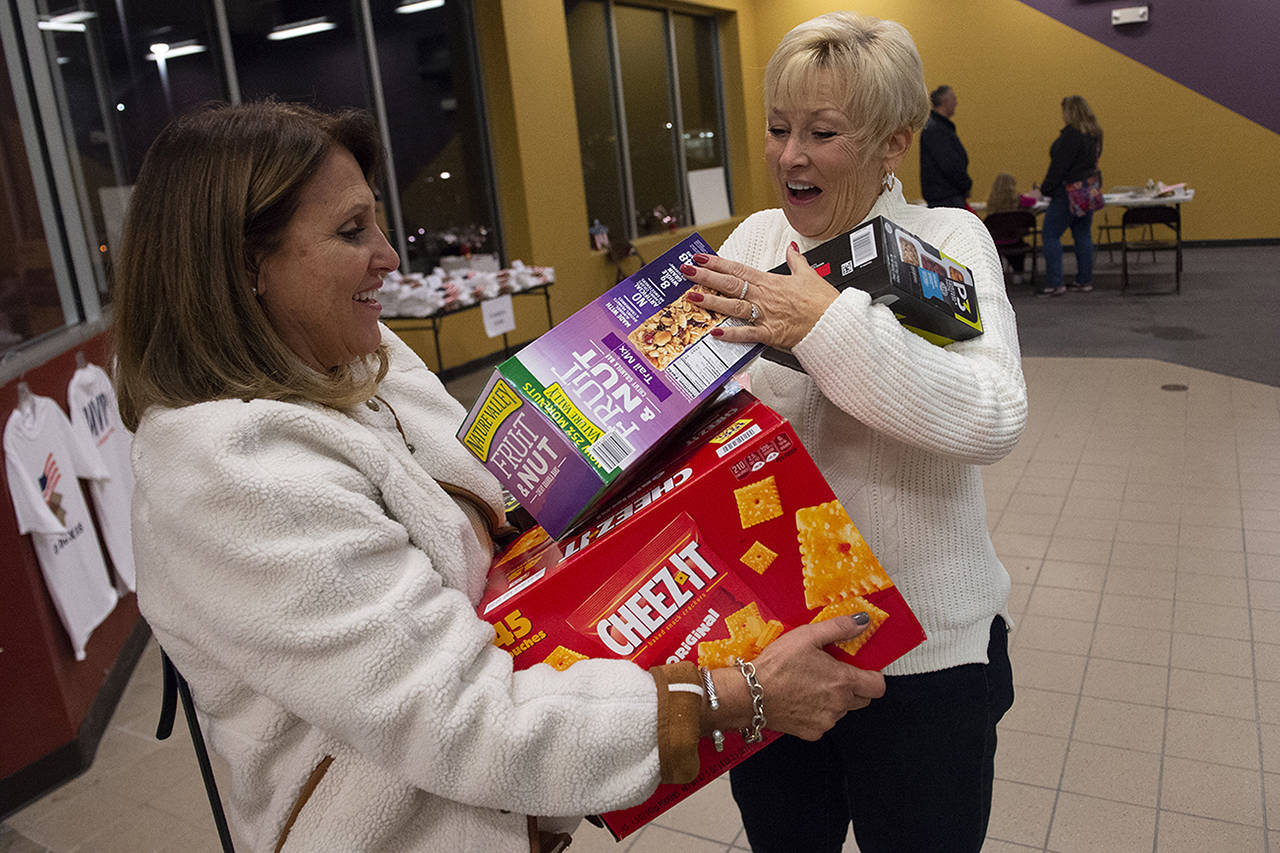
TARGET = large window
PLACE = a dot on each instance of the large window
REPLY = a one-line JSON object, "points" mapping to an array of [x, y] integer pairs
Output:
{"points": [[94, 81], [650, 121]]}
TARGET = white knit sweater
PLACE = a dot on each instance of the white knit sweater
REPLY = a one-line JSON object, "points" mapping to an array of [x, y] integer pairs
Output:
{"points": [[316, 586], [899, 427]]}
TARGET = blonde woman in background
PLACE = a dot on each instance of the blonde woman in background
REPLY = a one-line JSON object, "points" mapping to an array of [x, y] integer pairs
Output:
{"points": [[1072, 157]]}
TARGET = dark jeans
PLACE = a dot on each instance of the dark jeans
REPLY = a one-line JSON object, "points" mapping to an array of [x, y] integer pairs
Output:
{"points": [[913, 770], [1058, 219]]}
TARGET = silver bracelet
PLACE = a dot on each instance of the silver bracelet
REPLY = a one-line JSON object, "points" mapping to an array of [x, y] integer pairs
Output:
{"points": [[717, 736], [754, 732]]}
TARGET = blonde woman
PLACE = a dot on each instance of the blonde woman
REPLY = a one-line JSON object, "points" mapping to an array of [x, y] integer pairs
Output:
{"points": [[1072, 157]]}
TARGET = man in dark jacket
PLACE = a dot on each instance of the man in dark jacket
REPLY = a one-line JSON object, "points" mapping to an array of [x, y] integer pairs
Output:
{"points": [[944, 165]]}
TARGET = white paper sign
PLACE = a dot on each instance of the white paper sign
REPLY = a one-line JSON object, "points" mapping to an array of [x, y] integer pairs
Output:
{"points": [[499, 315], [708, 194]]}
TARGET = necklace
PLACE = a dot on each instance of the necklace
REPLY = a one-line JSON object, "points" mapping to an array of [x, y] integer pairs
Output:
{"points": [[374, 406]]}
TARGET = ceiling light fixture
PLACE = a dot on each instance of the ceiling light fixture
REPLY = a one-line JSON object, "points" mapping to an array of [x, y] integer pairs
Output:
{"points": [[301, 28], [418, 6], [61, 26], [172, 51]]}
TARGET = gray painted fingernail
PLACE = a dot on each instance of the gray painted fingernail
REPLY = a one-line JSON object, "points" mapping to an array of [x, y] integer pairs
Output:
{"points": [[862, 618]]}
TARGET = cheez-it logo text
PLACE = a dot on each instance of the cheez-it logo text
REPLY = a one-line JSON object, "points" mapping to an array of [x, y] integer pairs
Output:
{"points": [[656, 600]]}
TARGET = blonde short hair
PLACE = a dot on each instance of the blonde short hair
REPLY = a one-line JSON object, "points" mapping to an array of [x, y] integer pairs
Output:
{"points": [[216, 190], [1004, 194], [875, 66], [1076, 112]]}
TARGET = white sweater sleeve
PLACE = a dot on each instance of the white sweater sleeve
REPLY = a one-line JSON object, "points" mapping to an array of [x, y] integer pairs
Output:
{"points": [[269, 551], [966, 401]]}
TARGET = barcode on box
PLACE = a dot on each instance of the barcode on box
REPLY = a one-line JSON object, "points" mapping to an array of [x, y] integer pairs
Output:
{"points": [[862, 246], [738, 440], [611, 450]]}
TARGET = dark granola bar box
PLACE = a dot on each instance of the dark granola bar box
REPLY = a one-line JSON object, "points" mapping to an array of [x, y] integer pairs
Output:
{"points": [[567, 418], [929, 292]]}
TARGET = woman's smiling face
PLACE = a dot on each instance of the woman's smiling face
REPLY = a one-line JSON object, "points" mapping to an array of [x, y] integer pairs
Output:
{"points": [[318, 288], [826, 181]]}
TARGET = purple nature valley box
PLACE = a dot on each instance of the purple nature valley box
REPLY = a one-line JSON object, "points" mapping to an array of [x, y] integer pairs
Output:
{"points": [[566, 419]]}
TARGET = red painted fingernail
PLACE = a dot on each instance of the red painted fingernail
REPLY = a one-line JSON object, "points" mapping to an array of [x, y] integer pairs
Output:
{"points": [[717, 333], [688, 269], [693, 296], [794, 247], [701, 258]]}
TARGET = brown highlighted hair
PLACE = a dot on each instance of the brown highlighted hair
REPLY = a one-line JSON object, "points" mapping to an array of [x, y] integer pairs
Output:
{"points": [[876, 71], [215, 192], [1076, 112], [1004, 194]]}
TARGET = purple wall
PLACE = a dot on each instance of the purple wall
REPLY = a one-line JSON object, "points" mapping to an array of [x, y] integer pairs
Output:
{"points": [[1227, 50]]}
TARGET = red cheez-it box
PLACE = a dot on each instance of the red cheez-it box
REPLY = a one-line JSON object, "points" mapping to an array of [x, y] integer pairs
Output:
{"points": [[735, 540]]}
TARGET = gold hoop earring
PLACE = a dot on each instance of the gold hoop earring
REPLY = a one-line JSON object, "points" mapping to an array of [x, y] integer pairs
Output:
{"points": [[886, 183]]}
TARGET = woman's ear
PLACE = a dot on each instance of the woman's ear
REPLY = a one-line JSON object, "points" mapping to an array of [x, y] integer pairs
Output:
{"points": [[895, 148]]}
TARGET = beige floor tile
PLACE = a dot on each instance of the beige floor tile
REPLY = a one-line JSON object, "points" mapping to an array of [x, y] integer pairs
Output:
{"points": [[1217, 740], [1269, 701], [1030, 758], [1057, 602], [1074, 549], [1217, 516], [1138, 611], [1020, 814], [1043, 486], [1259, 499], [1212, 654], [147, 829], [1051, 634], [1260, 519], [1180, 833], [1097, 490], [1168, 494], [1264, 595], [659, 839], [1123, 724], [1147, 532], [1271, 791], [1265, 625], [77, 819], [1112, 773], [1207, 561], [1123, 681], [1155, 511], [1047, 712], [1211, 790], [1035, 523], [1197, 494], [1050, 470], [1148, 471], [1077, 527], [1022, 569], [1211, 590], [1209, 693], [1213, 538], [1139, 645], [1084, 824], [1138, 555], [1040, 504], [1105, 473], [1266, 661], [1020, 544], [1100, 508], [1087, 576], [1019, 594], [1263, 567], [710, 813], [1154, 583], [994, 846], [1047, 670], [1270, 736], [1262, 480], [1213, 620], [592, 839]]}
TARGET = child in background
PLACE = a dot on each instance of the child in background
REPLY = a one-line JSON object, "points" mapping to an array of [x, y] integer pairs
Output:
{"points": [[1005, 196]]}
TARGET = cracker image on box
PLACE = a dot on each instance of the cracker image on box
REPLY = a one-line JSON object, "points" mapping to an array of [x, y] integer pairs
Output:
{"points": [[758, 502], [854, 604], [748, 635], [759, 557], [562, 658], [837, 561], [665, 335]]}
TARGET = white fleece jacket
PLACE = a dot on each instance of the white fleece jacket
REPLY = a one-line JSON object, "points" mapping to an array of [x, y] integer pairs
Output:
{"points": [[316, 586], [899, 426]]}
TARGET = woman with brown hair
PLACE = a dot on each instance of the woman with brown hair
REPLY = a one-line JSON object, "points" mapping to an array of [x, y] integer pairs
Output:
{"points": [[311, 540]]}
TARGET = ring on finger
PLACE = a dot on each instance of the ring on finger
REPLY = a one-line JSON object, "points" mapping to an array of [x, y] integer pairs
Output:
{"points": [[743, 293], [755, 314]]}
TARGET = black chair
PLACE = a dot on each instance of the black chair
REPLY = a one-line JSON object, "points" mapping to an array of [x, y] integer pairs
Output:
{"points": [[1015, 235], [175, 686], [1149, 218]]}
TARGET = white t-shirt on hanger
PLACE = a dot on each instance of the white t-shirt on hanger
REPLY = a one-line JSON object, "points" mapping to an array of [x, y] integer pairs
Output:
{"points": [[43, 461], [96, 420]]}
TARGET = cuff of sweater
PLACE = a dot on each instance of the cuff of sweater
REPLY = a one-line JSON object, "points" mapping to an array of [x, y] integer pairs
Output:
{"points": [[679, 721], [826, 346]]}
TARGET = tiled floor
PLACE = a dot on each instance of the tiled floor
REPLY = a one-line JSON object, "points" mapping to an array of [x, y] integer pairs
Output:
{"points": [[1142, 530]]}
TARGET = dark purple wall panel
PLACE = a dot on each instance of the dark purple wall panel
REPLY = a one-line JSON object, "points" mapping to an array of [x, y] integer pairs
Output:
{"points": [[1227, 50]]}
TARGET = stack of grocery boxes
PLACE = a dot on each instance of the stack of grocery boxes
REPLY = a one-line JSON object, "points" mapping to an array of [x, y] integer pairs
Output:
{"points": [[675, 524]]}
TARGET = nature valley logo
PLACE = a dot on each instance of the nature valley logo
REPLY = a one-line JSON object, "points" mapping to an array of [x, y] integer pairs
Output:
{"points": [[501, 402], [48, 482]]}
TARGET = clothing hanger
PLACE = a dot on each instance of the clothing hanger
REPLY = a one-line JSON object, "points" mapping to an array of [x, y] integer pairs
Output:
{"points": [[26, 401]]}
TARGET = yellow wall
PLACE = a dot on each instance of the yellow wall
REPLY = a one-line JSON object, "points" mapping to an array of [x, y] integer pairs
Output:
{"points": [[1010, 65]]}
